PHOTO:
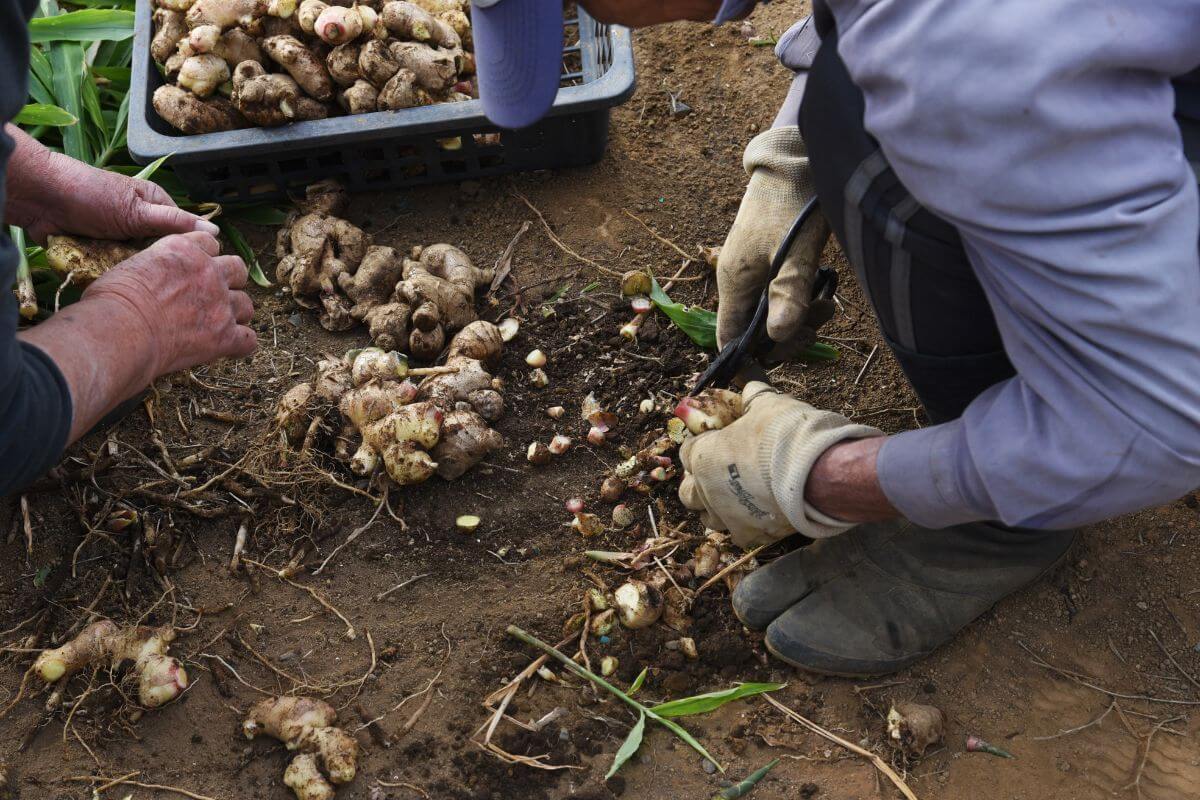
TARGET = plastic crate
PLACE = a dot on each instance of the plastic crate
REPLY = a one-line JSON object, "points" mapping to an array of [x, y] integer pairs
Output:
{"points": [[389, 149]]}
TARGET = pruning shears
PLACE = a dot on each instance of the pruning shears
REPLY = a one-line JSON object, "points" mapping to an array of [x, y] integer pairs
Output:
{"points": [[741, 356]]}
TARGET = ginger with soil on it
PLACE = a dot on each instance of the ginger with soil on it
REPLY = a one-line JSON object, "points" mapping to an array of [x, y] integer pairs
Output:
{"points": [[271, 99], [169, 30], [191, 115], [342, 64], [343, 57], [386, 422], [401, 91], [202, 74], [435, 70], [315, 247], [359, 98], [307, 727], [410, 304], [302, 63], [84, 259], [161, 678], [236, 13]]}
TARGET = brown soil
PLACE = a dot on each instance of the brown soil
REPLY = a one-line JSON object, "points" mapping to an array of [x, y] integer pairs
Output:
{"points": [[1130, 578]]}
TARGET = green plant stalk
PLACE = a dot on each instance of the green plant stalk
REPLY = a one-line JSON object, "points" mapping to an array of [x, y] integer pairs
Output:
{"points": [[582, 672], [743, 787], [26, 295]]}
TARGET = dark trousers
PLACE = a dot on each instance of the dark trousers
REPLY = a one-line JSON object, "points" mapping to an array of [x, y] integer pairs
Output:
{"points": [[909, 263]]}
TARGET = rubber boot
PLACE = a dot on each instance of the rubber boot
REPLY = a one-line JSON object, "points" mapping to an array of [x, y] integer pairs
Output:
{"points": [[881, 597]]}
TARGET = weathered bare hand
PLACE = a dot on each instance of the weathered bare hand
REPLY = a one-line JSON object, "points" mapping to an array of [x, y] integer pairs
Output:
{"points": [[188, 298]]}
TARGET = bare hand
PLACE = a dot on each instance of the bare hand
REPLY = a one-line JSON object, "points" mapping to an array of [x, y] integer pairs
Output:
{"points": [[189, 298], [640, 13], [51, 193]]}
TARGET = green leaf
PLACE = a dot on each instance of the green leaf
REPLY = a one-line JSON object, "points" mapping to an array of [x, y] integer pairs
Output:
{"points": [[39, 579], [85, 25], [41, 77], [145, 172], [118, 78], [743, 787], [638, 681], [677, 729], [628, 747], [66, 61], [703, 703], [699, 324], [245, 251], [44, 114], [819, 351], [128, 5], [91, 104], [260, 214]]}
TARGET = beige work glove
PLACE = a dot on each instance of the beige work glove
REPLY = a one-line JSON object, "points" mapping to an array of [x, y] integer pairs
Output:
{"points": [[780, 184], [749, 477]]}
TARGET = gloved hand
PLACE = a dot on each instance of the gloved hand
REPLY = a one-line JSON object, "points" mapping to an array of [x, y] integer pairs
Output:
{"points": [[749, 477], [780, 184]]}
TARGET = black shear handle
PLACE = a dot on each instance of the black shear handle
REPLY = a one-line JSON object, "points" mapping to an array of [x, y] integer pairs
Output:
{"points": [[754, 340]]}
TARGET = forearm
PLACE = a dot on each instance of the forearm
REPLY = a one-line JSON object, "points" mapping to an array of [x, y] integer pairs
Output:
{"points": [[844, 482], [30, 174], [105, 351]]}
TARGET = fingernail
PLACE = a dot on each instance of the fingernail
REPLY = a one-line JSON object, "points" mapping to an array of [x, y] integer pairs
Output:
{"points": [[204, 226]]}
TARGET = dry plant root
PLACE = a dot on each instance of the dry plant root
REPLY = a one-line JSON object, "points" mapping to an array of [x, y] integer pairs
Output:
{"points": [[339, 57], [307, 727], [85, 260], [161, 678]]}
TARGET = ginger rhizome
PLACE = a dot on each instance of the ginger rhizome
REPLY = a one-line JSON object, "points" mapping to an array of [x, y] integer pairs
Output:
{"points": [[234, 63], [389, 424], [161, 678], [412, 305], [325, 754]]}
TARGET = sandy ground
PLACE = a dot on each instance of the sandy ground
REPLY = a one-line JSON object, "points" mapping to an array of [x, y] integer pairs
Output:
{"points": [[1119, 623]]}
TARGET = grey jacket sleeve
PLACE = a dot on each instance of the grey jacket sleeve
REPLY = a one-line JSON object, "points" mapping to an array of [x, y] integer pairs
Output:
{"points": [[796, 50], [1047, 139]]}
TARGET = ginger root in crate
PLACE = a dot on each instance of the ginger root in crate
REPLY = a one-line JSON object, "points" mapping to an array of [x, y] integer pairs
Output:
{"points": [[307, 727], [315, 60]]}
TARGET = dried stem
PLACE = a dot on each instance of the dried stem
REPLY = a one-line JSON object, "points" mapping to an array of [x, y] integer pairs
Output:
{"points": [[879, 763]]}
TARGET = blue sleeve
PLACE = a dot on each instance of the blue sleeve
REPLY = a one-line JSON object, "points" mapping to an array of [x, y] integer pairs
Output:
{"points": [[1047, 139], [35, 409], [35, 401], [734, 9]]}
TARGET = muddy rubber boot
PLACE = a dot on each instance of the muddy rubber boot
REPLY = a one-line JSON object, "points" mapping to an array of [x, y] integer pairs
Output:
{"points": [[891, 595], [766, 593]]}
